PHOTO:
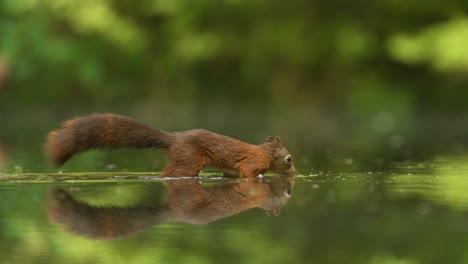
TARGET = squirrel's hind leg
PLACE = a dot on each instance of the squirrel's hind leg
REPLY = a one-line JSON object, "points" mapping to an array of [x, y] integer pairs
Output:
{"points": [[180, 170]]}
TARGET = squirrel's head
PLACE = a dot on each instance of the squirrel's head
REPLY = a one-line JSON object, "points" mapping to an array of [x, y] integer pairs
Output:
{"points": [[282, 162]]}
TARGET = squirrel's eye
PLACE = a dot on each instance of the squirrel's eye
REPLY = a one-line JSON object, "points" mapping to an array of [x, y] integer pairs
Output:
{"points": [[288, 158]]}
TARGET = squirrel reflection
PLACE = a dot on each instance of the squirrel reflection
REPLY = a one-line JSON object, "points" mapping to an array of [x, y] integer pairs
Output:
{"points": [[187, 201]]}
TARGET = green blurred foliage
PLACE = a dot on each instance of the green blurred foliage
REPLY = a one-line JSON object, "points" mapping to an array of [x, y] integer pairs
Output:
{"points": [[442, 45], [107, 52], [347, 84], [337, 80]]}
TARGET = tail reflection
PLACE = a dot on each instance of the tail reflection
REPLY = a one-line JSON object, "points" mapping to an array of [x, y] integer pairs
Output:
{"points": [[188, 201]]}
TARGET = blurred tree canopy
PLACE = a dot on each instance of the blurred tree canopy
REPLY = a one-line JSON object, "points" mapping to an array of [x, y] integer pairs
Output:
{"points": [[324, 53]]}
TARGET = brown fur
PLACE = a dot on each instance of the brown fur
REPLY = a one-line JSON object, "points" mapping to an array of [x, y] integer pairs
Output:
{"points": [[188, 151], [187, 201]]}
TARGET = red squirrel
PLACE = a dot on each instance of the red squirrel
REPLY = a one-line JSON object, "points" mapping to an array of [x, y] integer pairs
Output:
{"points": [[188, 151]]}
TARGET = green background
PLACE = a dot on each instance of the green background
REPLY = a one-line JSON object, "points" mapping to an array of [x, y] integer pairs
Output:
{"points": [[338, 80], [351, 87]]}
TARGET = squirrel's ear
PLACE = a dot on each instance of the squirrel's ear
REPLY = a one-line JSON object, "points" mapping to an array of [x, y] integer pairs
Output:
{"points": [[273, 142], [273, 139]]}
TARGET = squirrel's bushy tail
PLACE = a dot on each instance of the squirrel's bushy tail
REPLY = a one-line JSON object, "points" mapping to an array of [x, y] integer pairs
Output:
{"points": [[102, 131]]}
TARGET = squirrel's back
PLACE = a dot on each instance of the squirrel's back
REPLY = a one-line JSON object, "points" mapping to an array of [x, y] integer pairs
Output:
{"points": [[102, 131]]}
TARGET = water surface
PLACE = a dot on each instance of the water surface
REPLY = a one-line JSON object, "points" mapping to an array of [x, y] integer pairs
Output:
{"points": [[412, 213]]}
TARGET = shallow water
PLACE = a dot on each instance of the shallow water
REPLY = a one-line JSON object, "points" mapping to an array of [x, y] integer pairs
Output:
{"points": [[407, 214]]}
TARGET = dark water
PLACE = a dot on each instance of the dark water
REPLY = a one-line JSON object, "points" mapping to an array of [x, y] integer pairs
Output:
{"points": [[413, 213]]}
